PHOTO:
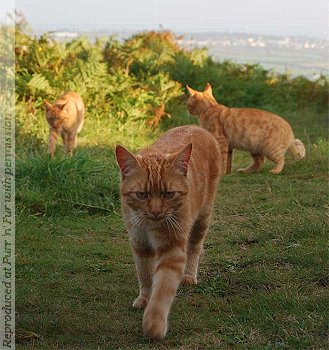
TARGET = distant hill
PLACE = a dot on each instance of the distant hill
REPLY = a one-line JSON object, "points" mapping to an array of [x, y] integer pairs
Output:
{"points": [[295, 55]]}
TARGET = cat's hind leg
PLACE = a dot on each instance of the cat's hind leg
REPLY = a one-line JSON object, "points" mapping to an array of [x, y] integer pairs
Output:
{"points": [[259, 161], [279, 163], [194, 249], [276, 155]]}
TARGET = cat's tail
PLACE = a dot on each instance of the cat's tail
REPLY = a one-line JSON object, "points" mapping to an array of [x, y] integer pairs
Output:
{"points": [[297, 149]]}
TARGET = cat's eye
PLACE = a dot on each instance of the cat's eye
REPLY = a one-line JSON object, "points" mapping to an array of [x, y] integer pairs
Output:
{"points": [[141, 195], [168, 194]]}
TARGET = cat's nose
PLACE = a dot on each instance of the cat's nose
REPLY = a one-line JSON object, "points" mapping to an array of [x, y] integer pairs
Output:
{"points": [[155, 213]]}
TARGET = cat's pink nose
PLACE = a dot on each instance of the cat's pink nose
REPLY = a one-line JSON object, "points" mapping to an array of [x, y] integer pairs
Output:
{"points": [[155, 213]]}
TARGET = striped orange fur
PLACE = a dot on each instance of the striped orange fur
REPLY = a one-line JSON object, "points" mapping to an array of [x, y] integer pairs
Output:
{"points": [[167, 196], [262, 133]]}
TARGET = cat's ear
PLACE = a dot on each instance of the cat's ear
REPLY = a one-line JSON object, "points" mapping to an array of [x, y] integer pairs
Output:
{"points": [[61, 107], [208, 89], [47, 105], [126, 160], [190, 91], [182, 158]]}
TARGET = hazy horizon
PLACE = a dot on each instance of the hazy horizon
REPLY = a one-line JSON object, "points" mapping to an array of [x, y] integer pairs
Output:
{"points": [[263, 17]]}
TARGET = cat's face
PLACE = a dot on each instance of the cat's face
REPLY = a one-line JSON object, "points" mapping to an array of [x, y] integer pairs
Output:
{"points": [[198, 101], [56, 115], [154, 187]]}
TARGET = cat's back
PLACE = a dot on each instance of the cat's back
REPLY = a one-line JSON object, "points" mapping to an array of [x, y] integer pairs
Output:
{"points": [[73, 99], [247, 127], [257, 117], [206, 155], [176, 138], [74, 112]]}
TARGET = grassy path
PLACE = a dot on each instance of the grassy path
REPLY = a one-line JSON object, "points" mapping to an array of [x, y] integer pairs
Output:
{"points": [[263, 279]]}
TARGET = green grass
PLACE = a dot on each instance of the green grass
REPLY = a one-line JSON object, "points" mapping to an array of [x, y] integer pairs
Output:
{"points": [[263, 281]]}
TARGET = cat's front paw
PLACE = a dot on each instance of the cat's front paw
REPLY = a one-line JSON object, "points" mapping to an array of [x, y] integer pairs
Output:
{"points": [[188, 280], [154, 324], [140, 303]]}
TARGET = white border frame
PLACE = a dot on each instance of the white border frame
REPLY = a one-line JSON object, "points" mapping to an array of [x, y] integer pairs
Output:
{"points": [[7, 182]]}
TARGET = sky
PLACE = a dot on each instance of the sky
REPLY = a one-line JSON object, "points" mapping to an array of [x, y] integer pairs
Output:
{"points": [[276, 17]]}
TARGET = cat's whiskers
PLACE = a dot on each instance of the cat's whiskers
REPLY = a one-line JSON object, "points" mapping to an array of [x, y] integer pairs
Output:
{"points": [[167, 224], [135, 220], [139, 223], [172, 228], [173, 225], [166, 221], [178, 225]]}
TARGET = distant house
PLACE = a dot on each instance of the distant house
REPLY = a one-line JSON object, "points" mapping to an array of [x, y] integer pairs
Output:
{"points": [[61, 36]]}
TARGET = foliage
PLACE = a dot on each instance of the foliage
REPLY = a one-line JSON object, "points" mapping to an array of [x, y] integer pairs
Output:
{"points": [[45, 68], [122, 83]]}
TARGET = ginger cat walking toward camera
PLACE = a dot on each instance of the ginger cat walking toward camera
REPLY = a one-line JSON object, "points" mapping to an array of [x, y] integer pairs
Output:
{"points": [[167, 197], [262, 133], [65, 117]]}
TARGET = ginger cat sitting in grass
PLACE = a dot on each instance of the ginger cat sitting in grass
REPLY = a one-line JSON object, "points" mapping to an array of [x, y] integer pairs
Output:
{"points": [[262, 133], [65, 117], [167, 196]]}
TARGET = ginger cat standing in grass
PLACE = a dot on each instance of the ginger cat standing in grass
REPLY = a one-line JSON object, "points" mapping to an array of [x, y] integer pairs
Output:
{"points": [[262, 133], [167, 197], [65, 117]]}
